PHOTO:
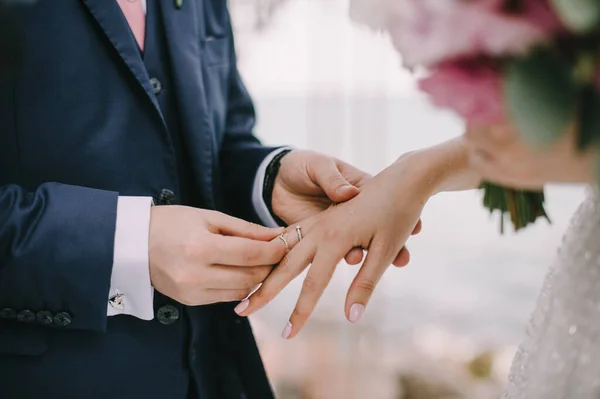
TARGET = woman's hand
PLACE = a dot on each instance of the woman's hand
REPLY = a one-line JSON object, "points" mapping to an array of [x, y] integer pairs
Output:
{"points": [[380, 219], [500, 156]]}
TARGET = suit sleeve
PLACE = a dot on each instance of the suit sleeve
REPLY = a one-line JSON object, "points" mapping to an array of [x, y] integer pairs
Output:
{"points": [[56, 254], [241, 152]]}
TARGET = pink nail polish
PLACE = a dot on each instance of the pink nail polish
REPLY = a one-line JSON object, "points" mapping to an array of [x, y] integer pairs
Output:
{"points": [[242, 306], [287, 331], [356, 312]]}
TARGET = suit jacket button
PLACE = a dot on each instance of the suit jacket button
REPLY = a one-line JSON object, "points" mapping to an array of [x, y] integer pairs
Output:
{"points": [[44, 317], [62, 319], [8, 314], [26, 316], [156, 85], [166, 197], [167, 314]]}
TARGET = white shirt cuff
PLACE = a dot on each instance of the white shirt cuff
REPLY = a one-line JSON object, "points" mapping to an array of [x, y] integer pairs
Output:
{"points": [[131, 291], [257, 193]]}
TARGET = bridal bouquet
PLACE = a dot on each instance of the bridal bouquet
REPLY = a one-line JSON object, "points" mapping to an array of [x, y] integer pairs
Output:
{"points": [[533, 63]]}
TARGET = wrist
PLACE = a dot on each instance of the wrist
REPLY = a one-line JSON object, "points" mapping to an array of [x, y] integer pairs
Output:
{"points": [[443, 167], [269, 184]]}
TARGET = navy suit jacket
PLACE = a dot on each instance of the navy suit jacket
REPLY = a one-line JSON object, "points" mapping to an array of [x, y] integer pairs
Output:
{"points": [[80, 126]]}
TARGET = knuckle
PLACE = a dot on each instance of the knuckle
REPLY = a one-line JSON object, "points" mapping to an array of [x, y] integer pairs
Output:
{"points": [[334, 179], [260, 274], [284, 263], [260, 297], [311, 285], [251, 255], [240, 295], [366, 285], [300, 314], [331, 234]]}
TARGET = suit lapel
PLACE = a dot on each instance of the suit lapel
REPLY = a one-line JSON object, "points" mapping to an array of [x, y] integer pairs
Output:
{"points": [[184, 30], [113, 23]]}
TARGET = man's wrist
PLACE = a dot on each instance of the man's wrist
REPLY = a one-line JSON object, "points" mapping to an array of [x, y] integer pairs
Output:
{"points": [[269, 183], [263, 212]]}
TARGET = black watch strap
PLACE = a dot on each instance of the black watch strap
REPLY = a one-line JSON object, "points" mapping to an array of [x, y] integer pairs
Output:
{"points": [[269, 184]]}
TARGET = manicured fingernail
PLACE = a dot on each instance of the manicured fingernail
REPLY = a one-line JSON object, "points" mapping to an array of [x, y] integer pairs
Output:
{"points": [[287, 331], [242, 306], [356, 312]]}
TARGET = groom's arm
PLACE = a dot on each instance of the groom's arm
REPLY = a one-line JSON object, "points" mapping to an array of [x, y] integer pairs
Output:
{"points": [[56, 255]]}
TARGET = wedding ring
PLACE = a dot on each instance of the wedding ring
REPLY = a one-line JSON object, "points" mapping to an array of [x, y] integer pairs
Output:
{"points": [[285, 241], [299, 233]]}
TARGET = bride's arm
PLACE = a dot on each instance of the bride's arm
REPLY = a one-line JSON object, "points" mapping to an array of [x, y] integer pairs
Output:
{"points": [[380, 219], [387, 210], [442, 167]]}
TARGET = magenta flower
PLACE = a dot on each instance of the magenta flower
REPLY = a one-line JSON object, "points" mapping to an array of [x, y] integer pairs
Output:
{"points": [[472, 90], [426, 32]]}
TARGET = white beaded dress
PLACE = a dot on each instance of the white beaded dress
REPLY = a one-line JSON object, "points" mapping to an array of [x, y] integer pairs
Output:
{"points": [[560, 357]]}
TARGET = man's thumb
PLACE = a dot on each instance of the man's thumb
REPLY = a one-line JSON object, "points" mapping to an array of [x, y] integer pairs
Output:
{"points": [[337, 188]]}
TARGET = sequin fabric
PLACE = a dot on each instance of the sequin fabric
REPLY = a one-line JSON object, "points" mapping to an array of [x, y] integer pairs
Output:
{"points": [[560, 356]]}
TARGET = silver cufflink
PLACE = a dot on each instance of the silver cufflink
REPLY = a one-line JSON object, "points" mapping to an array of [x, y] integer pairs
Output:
{"points": [[117, 301]]}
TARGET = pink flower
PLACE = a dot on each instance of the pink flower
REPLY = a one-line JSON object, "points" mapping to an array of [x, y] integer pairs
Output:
{"points": [[472, 90], [426, 32]]}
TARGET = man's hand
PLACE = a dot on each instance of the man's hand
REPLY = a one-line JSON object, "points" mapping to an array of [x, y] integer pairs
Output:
{"points": [[308, 183], [199, 257]]}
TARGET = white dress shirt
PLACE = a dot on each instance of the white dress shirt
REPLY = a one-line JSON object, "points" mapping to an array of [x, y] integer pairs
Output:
{"points": [[130, 280], [131, 291]]}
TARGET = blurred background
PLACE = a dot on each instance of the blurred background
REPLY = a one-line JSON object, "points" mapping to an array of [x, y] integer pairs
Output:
{"points": [[447, 325]]}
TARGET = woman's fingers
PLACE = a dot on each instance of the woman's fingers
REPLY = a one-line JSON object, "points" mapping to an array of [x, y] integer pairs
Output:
{"points": [[290, 267], [378, 259], [403, 258], [314, 285], [355, 256], [418, 228]]}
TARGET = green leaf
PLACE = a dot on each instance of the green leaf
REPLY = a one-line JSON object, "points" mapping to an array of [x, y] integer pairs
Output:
{"points": [[589, 118], [541, 97], [580, 15]]}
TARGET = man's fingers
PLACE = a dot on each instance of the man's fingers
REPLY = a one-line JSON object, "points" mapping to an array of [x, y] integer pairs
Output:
{"points": [[418, 228], [229, 226], [403, 258], [290, 267], [217, 296], [355, 176], [329, 178], [314, 285], [236, 278], [237, 251], [378, 259], [355, 256]]}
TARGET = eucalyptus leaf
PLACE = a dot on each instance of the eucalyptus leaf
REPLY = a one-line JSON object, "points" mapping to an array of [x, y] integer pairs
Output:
{"points": [[540, 95], [580, 15], [589, 118]]}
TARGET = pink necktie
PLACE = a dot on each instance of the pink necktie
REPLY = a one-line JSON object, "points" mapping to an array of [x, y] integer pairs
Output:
{"points": [[136, 17]]}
